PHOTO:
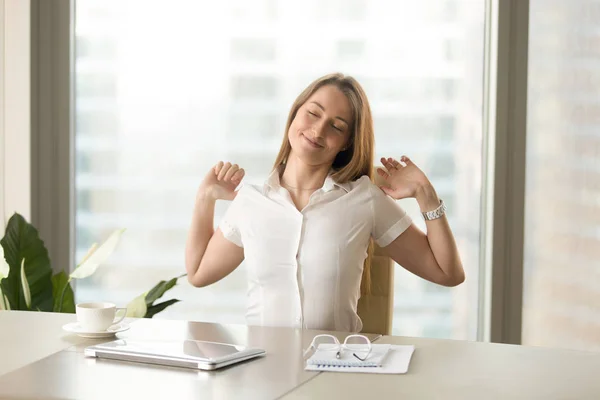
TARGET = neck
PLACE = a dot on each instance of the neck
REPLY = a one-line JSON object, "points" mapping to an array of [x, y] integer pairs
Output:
{"points": [[298, 175]]}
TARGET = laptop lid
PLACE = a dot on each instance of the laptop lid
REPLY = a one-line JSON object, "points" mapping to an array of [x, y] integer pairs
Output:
{"points": [[194, 354]]}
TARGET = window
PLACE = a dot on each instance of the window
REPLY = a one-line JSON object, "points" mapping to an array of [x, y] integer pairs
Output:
{"points": [[561, 286], [253, 50], [96, 120], [252, 87], [157, 107], [350, 50]]}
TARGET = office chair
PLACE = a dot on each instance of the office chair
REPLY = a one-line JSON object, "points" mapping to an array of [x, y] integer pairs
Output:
{"points": [[376, 309]]}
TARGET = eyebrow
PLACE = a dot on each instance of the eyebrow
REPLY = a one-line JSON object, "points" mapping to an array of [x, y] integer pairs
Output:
{"points": [[323, 108]]}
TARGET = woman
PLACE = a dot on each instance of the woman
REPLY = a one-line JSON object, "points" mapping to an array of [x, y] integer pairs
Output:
{"points": [[305, 234]]}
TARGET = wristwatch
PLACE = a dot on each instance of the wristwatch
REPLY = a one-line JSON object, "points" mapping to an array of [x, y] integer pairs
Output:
{"points": [[435, 214]]}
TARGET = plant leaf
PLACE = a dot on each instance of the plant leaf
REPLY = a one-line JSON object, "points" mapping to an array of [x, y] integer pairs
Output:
{"points": [[91, 251], [4, 268], [22, 241], [25, 284], [137, 307], [157, 291], [90, 263], [60, 282], [4, 304], [155, 309]]}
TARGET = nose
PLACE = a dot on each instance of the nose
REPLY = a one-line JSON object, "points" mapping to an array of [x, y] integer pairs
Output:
{"points": [[318, 130]]}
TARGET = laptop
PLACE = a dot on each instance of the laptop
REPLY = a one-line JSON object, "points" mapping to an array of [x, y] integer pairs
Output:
{"points": [[195, 354]]}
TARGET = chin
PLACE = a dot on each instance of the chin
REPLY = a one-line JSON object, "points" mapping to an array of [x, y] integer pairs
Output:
{"points": [[310, 157]]}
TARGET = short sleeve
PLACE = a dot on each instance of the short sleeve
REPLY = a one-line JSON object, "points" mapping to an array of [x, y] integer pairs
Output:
{"points": [[231, 222], [389, 219]]}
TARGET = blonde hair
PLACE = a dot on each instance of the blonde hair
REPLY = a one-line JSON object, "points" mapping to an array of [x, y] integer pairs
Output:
{"points": [[357, 158]]}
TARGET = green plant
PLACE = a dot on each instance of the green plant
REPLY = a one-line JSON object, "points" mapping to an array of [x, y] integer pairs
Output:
{"points": [[27, 283]]}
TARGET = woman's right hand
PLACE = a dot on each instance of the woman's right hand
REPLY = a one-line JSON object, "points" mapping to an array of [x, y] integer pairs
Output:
{"points": [[221, 181]]}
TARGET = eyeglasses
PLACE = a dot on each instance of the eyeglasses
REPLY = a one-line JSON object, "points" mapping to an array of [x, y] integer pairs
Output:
{"points": [[354, 343]]}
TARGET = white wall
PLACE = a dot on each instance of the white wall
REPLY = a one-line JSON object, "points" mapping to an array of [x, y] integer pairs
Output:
{"points": [[15, 110]]}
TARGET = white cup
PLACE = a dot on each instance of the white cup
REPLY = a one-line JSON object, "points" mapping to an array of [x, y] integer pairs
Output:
{"points": [[97, 317]]}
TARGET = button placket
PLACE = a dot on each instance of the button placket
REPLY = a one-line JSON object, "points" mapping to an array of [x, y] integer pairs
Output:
{"points": [[299, 276]]}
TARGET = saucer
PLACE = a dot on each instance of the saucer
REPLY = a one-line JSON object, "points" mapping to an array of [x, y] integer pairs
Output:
{"points": [[74, 327]]}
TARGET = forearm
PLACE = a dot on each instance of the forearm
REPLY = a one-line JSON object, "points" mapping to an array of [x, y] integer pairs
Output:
{"points": [[440, 237], [200, 233]]}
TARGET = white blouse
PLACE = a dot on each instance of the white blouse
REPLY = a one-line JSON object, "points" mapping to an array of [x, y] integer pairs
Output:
{"points": [[304, 268]]}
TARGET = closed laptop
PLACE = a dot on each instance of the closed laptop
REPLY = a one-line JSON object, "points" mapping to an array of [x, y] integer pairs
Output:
{"points": [[194, 354]]}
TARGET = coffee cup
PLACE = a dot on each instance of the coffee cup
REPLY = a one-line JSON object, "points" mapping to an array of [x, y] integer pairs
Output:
{"points": [[96, 317]]}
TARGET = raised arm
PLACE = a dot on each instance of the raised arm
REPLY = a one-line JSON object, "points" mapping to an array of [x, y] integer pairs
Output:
{"points": [[209, 256], [432, 256]]}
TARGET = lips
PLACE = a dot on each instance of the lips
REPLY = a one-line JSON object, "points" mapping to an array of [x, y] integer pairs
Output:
{"points": [[311, 142]]}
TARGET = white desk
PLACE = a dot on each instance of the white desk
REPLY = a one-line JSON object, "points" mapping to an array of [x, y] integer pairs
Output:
{"points": [[26, 337], [38, 360], [451, 369], [66, 373]]}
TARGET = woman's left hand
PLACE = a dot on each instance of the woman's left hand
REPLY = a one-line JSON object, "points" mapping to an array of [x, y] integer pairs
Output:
{"points": [[404, 178]]}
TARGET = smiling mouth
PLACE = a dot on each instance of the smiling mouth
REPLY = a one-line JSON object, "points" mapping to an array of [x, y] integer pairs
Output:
{"points": [[313, 143]]}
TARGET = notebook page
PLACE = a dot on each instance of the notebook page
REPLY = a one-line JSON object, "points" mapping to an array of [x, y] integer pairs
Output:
{"points": [[396, 362], [326, 355]]}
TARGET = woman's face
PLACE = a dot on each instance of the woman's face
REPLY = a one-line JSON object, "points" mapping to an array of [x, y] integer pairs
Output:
{"points": [[321, 128]]}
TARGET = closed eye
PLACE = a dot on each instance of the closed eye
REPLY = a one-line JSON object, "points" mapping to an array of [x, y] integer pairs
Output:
{"points": [[336, 128], [313, 114]]}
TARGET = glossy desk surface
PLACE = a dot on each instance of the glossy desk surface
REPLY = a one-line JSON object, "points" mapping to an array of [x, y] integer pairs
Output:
{"points": [[38, 360], [55, 367], [452, 369]]}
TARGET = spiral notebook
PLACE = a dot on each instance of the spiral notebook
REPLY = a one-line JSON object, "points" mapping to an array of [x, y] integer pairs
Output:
{"points": [[384, 359], [324, 356]]}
